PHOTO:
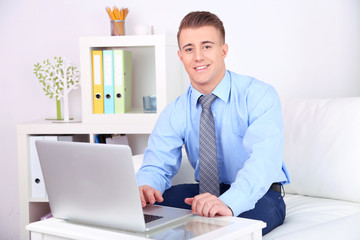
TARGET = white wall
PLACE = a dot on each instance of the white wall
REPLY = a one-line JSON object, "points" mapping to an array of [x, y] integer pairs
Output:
{"points": [[305, 48]]}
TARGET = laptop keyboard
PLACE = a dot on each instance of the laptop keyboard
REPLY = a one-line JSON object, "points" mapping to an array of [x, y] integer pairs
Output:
{"points": [[150, 218]]}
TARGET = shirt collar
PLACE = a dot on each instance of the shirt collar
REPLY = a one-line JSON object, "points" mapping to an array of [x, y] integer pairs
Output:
{"points": [[222, 90]]}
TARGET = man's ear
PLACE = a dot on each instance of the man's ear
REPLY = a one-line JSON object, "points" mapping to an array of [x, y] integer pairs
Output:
{"points": [[225, 49], [179, 54]]}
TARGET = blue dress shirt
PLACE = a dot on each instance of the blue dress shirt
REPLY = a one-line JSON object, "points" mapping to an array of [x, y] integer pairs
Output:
{"points": [[249, 138]]}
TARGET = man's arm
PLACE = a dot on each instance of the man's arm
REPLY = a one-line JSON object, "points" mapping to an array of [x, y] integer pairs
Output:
{"points": [[263, 143], [162, 158]]}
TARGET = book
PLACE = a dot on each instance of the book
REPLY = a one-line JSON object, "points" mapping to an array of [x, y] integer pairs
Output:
{"points": [[98, 86], [122, 80], [108, 66], [37, 180]]}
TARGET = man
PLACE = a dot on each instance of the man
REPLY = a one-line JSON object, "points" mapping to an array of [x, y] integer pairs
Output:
{"points": [[246, 116]]}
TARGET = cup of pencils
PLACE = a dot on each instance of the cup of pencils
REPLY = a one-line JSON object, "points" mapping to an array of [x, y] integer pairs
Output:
{"points": [[117, 20]]}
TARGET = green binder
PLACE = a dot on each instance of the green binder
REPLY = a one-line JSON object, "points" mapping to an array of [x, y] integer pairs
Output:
{"points": [[122, 80]]}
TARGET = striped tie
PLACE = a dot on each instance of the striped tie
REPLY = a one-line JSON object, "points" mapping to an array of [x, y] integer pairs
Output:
{"points": [[209, 172]]}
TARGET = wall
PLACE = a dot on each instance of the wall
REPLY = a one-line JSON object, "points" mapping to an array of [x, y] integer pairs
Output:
{"points": [[303, 48]]}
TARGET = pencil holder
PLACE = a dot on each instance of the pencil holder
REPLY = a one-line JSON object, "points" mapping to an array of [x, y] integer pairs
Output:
{"points": [[117, 27]]}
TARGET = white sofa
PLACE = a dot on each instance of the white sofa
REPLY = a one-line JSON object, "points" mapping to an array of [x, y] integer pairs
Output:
{"points": [[322, 153]]}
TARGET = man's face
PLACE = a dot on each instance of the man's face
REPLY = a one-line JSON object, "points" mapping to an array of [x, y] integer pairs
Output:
{"points": [[203, 52]]}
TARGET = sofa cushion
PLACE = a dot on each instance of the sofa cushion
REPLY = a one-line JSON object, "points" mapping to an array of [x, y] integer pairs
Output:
{"points": [[342, 228], [315, 218], [322, 147]]}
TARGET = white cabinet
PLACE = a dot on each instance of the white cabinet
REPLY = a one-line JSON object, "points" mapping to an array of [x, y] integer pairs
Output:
{"points": [[156, 70]]}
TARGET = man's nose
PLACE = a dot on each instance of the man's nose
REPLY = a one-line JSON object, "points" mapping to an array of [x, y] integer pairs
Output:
{"points": [[199, 55]]}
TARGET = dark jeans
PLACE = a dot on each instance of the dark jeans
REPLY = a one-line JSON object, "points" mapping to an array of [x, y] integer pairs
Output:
{"points": [[270, 208]]}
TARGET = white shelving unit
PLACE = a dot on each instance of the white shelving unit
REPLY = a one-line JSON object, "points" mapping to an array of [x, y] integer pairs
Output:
{"points": [[156, 71]]}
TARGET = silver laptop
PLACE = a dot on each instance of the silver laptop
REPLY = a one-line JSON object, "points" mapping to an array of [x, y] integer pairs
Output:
{"points": [[95, 184]]}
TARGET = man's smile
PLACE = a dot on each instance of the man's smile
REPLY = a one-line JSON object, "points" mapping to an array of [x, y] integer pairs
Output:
{"points": [[201, 68]]}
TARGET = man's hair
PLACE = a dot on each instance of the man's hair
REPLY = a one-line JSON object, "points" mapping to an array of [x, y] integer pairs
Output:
{"points": [[201, 19]]}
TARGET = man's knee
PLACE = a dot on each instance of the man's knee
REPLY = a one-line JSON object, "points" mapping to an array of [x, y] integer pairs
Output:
{"points": [[270, 209], [175, 196]]}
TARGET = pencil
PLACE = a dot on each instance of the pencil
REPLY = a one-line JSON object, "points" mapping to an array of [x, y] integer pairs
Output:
{"points": [[117, 17]]}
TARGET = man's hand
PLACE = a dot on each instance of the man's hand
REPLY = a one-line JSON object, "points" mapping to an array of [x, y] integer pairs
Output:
{"points": [[149, 195], [208, 205]]}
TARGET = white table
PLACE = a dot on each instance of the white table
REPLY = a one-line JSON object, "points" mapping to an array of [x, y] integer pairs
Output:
{"points": [[193, 227]]}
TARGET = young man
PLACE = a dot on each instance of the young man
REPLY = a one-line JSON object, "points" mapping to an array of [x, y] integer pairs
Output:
{"points": [[246, 116]]}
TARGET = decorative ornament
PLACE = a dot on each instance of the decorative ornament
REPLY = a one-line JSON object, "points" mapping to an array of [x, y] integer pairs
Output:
{"points": [[58, 79]]}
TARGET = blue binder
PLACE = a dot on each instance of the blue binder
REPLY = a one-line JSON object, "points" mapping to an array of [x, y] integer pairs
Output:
{"points": [[108, 62]]}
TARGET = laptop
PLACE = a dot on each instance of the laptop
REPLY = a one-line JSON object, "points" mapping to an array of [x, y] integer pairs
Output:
{"points": [[95, 184]]}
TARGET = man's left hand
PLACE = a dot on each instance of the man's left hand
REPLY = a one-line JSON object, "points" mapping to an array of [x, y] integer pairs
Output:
{"points": [[208, 205]]}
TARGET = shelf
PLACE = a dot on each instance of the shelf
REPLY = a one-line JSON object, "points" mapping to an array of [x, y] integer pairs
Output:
{"points": [[36, 200], [156, 70], [129, 41], [125, 126]]}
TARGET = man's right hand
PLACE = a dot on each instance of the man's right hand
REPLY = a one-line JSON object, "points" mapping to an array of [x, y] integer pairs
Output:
{"points": [[149, 195]]}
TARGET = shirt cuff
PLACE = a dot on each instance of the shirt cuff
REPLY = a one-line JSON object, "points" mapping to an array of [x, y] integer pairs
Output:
{"points": [[146, 178], [239, 205]]}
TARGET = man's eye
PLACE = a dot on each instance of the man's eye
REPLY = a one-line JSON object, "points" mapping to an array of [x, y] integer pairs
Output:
{"points": [[207, 47], [188, 50]]}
